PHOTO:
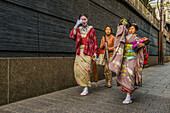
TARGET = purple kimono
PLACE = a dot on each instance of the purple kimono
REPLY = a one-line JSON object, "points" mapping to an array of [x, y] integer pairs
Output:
{"points": [[125, 62]]}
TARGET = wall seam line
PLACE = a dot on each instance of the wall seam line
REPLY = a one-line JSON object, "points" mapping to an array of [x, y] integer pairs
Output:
{"points": [[8, 81]]}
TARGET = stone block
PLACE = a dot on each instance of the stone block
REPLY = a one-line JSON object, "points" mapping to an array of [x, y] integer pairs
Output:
{"points": [[153, 60], [3, 81], [30, 77]]}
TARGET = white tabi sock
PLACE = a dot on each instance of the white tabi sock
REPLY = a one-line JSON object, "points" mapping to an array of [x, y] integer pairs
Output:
{"points": [[85, 89], [127, 100], [128, 97]]}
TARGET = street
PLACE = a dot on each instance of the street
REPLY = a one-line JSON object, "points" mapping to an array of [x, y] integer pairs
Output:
{"points": [[152, 97]]}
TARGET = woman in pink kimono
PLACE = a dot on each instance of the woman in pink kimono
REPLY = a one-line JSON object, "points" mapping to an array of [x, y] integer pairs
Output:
{"points": [[126, 62]]}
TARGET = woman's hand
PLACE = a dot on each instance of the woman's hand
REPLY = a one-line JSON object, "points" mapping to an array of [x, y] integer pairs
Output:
{"points": [[107, 48], [139, 45], [102, 46], [77, 23]]}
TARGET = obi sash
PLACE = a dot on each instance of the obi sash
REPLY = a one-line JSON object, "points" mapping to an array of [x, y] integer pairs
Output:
{"points": [[83, 41], [129, 53]]}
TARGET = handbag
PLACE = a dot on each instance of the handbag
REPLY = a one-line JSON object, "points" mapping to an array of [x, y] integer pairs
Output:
{"points": [[100, 59], [146, 56]]}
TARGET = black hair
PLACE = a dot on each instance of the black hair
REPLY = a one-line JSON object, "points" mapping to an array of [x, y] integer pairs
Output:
{"points": [[109, 27], [136, 27], [128, 25], [83, 14]]}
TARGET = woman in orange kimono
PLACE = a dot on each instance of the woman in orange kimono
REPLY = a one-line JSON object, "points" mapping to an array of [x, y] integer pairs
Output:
{"points": [[110, 47]]}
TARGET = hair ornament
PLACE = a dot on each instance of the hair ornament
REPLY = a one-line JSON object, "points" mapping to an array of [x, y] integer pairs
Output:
{"points": [[124, 21]]}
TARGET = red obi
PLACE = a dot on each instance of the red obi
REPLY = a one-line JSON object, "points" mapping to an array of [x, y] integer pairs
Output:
{"points": [[83, 41], [128, 43]]}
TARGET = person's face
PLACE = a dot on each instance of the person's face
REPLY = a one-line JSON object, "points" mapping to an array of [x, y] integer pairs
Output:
{"points": [[84, 20], [108, 30], [132, 30]]}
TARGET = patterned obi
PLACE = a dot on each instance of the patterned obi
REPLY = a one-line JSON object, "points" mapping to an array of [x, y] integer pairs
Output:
{"points": [[129, 53], [83, 41]]}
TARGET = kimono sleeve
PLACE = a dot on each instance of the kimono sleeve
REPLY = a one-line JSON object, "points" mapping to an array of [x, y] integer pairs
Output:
{"points": [[96, 47], [102, 43], [120, 35], [73, 34]]}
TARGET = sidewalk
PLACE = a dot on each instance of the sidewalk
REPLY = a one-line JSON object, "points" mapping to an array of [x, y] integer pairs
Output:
{"points": [[153, 97]]}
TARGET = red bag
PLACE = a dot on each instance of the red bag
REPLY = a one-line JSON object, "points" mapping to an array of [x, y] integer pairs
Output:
{"points": [[146, 56], [101, 51]]}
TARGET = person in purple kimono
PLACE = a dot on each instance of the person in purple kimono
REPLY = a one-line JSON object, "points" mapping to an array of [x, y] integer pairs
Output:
{"points": [[126, 62]]}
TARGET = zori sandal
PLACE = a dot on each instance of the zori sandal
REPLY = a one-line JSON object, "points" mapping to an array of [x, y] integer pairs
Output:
{"points": [[109, 86], [84, 93], [127, 101]]}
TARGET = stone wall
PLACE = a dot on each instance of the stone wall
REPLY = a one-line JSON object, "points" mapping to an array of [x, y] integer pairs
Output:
{"points": [[32, 28], [23, 78]]}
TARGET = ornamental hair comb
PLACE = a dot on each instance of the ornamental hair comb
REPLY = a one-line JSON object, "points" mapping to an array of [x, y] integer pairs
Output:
{"points": [[124, 21]]}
